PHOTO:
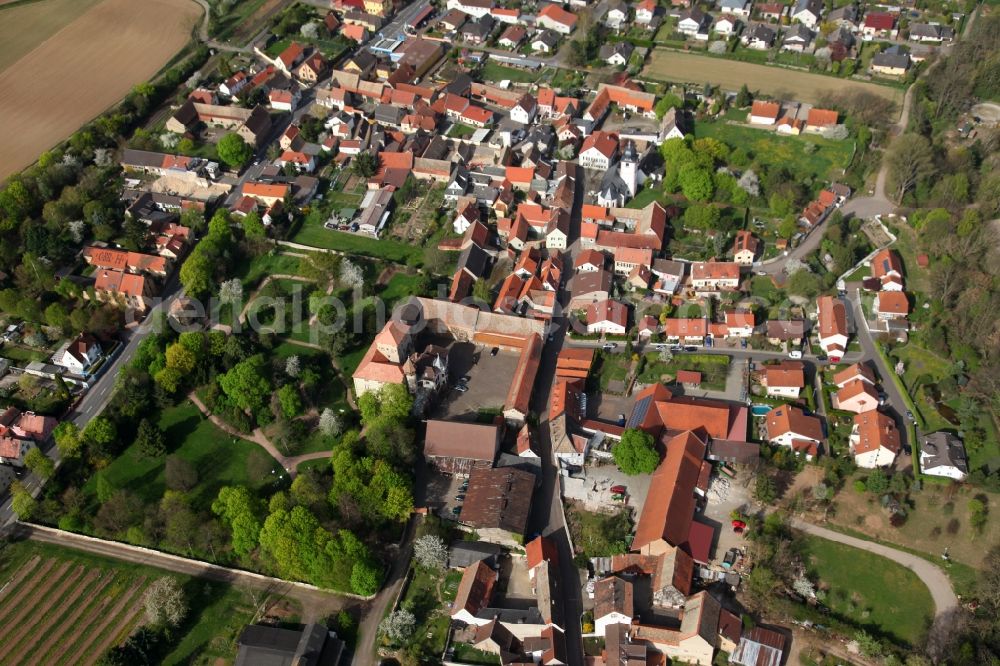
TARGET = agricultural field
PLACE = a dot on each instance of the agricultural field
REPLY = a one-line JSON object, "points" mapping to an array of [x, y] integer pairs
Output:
{"points": [[668, 65], [66, 607], [24, 27], [68, 75]]}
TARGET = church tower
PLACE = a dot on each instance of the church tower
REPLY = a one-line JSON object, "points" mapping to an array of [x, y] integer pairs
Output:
{"points": [[628, 168]]}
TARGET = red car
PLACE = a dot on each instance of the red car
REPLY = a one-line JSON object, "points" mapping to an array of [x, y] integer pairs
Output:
{"points": [[618, 490], [739, 526]]}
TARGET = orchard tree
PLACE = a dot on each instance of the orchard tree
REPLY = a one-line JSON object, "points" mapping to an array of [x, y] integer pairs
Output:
{"points": [[234, 151], [636, 453], [329, 423], [165, 603], [431, 552], [293, 366], [398, 626]]}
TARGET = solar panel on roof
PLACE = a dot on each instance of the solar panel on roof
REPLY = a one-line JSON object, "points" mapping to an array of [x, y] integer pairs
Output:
{"points": [[639, 412]]}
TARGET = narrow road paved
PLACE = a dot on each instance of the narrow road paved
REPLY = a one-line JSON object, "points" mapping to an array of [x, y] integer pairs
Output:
{"points": [[364, 653], [317, 604], [933, 577]]}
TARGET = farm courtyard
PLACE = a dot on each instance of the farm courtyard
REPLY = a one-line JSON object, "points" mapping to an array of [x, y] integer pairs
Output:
{"points": [[57, 75]]}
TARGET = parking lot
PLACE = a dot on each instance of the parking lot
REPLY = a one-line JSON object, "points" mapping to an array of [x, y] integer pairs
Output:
{"points": [[441, 494], [490, 378]]}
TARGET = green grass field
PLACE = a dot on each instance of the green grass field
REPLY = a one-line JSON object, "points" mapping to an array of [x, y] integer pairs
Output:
{"points": [[220, 458], [491, 71], [252, 270], [826, 162], [869, 590], [316, 235]]}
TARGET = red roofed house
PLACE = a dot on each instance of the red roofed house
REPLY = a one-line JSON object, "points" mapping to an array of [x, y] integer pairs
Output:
{"points": [[357, 32], [785, 379], [538, 551], [312, 68], [283, 100], [820, 119], [475, 591], [790, 426], [891, 305], [764, 113], [710, 276], [608, 316], [832, 328], [589, 261], [856, 396], [875, 440], [856, 371], [598, 150], [289, 59], [887, 268], [556, 18], [879, 24], [21, 432], [745, 248], [383, 362], [739, 324], [666, 517], [686, 330], [123, 289]]}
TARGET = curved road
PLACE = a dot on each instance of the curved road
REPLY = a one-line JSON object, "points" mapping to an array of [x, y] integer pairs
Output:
{"points": [[933, 577]]}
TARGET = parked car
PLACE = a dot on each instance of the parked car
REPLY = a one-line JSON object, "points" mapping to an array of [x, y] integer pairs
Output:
{"points": [[621, 420], [910, 417], [618, 490], [494, 351], [690, 348], [455, 510], [460, 497], [461, 389], [676, 348], [795, 353], [608, 346]]}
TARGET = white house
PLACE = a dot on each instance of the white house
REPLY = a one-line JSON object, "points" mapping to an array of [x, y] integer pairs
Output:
{"points": [[554, 17], [692, 21], [598, 151], [79, 354], [466, 217], [477, 8], [726, 25], [874, 440], [608, 317], [617, 15], [943, 454], [525, 110], [785, 379], [790, 426], [736, 7], [807, 12], [613, 603], [758, 37], [645, 11], [739, 324]]}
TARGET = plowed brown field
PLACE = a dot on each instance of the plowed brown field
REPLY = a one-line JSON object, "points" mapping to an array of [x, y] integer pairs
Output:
{"points": [[84, 68]]}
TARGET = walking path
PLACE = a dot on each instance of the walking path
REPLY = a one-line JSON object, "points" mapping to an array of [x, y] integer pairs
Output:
{"points": [[289, 463], [317, 604], [933, 577]]}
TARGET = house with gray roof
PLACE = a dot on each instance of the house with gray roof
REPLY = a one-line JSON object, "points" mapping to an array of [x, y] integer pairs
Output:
{"points": [[943, 454]]}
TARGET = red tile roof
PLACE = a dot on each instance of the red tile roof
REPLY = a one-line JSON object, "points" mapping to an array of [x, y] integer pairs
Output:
{"points": [[669, 507]]}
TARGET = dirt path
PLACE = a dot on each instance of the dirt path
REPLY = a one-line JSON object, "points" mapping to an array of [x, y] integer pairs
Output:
{"points": [[27, 608], [129, 600], [51, 598], [69, 623], [15, 581], [58, 606], [933, 577], [257, 436], [317, 604]]}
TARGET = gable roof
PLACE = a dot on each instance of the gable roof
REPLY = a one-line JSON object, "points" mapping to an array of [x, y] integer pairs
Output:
{"points": [[499, 498], [541, 549], [558, 14], [669, 507], [455, 439], [475, 589], [789, 419], [875, 430], [787, 374]]}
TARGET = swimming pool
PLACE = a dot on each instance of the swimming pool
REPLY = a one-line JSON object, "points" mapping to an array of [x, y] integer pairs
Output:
{"points": [[760, 410]]}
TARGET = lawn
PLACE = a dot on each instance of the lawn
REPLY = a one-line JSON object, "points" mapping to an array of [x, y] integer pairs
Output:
{"points": [[314, 234], [869, 590], [23, 354], [714, 369], [599, 534], [252, 270], [671, 65], [220, 458], [491, 71], [646, 196], [611, 367], [826, 162], [460, 131], [399, 287]]}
